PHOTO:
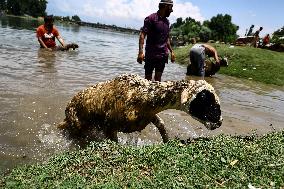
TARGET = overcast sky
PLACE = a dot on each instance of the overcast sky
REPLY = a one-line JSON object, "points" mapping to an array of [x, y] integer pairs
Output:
{"points": [[131, 13]]}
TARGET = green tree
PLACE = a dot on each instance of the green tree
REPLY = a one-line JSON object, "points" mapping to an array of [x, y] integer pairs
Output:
{"points": [[205, 34], [277, 36], [15, 7], [66, 18], [222, 28], [218, 28], [188, 29], [37, 8], [3, 5], [31, 7], [178, 23], [76, 18]]}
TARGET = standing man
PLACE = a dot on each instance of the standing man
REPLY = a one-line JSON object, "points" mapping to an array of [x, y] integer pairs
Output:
{"points": [[256, 38], [47, 33], [156, 28], [250, 30]]}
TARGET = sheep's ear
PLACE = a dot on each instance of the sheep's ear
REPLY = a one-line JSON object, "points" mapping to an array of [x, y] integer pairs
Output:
{"points": [[184, 96]]}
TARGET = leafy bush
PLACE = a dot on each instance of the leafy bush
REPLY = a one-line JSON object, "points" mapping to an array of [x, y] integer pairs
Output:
{"points": [[278, 36]]}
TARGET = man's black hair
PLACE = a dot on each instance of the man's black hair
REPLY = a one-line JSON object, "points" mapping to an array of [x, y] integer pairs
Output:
{"points": [[48, 18]]}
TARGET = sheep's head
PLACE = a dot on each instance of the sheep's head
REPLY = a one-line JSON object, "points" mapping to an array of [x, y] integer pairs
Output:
{"points": [[202, 103]]}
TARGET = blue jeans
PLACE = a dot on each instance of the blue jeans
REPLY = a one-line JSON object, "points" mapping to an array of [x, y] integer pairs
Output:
{"points": [[197, 59]]}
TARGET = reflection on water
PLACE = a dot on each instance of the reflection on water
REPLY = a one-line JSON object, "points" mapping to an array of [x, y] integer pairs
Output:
{"points": [[35, 86], [46, 60], [16, 23]]}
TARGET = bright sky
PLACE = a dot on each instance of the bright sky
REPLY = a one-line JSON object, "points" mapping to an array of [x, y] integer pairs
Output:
{"points": [[131, 13]]}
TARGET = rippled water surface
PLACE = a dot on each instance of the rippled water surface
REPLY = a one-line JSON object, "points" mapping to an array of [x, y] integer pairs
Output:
{"points": [[35, 86]]}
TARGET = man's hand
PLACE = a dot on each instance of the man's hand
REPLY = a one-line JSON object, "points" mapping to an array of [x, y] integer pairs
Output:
{"points": [[173, 57], [140, 57], [60, 39]]}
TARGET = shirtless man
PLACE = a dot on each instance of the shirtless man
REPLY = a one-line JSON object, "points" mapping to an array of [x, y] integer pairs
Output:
{"points": [[197, 57]]}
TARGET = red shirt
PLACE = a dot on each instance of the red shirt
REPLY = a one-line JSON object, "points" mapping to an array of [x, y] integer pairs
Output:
{"points": [[266, 40], [47, 38]]}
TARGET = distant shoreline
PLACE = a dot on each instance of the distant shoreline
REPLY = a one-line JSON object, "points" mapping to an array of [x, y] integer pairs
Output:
{"points": [[82, 23], [24, 16], [108, 27]]}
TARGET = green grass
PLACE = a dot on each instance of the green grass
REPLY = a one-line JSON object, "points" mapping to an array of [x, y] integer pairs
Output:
{"points": [[220, 162], [246, 62]]}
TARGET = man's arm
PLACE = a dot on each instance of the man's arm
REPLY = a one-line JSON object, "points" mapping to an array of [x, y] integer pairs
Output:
{"points": [[140, 57], [42, 43], [213, 51], [173, 57], [59, 38], [216, 56]]}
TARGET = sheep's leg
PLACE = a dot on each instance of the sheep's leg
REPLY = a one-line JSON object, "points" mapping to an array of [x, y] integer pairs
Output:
{"points": [[159, 123]]}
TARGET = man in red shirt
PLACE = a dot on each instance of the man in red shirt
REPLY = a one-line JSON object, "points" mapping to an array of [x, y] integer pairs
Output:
{"points": [[266, 40], [47, 33]]}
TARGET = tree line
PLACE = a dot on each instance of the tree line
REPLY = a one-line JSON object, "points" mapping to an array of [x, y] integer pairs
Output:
{"points": [[33, 8], [74, 18], [278, 36], [218, 28]]}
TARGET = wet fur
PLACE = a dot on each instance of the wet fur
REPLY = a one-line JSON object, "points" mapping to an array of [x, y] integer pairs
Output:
{"points": [[67, 47], [129, 103]]}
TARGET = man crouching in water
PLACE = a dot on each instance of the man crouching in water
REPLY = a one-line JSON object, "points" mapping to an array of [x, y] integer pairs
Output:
{"points": [[47, 33]]}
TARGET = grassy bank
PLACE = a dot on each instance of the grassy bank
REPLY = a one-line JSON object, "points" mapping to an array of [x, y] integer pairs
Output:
{"points": [[223, 161], [256, 64]]}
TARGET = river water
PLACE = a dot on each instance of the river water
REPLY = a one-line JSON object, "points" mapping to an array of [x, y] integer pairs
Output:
{"points": [[36, 85]]}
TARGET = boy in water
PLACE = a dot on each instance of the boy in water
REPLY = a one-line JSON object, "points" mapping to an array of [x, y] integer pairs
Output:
{"points": [[47, 33]]}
